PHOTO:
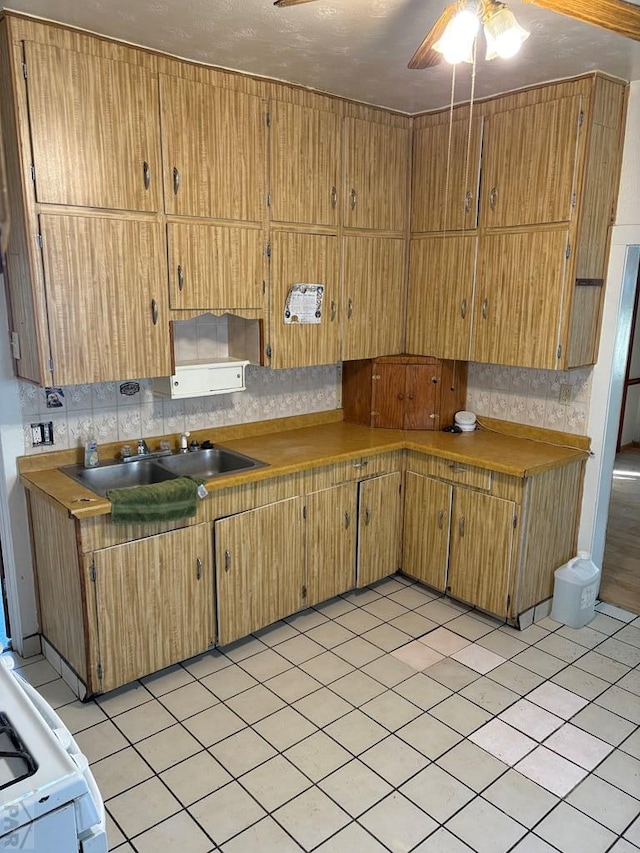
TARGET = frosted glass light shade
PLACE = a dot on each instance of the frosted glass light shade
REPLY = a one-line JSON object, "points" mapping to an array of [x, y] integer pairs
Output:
{"points": [[456, 42], [504, 34]]}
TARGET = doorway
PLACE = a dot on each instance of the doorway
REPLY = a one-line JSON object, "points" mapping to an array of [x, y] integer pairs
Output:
{"points": [[621, 560], [4, 608]]}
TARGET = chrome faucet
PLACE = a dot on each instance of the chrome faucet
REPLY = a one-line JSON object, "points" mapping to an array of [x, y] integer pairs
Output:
{"points": [[143, 452], [143, 448]]}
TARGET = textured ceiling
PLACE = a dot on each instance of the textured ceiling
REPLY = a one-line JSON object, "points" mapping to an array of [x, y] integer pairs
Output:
{"points": [[354, 48]]}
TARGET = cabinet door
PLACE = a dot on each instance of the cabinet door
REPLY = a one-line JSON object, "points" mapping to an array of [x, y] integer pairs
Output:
{"points": [[519, 298], [446, 176], [373, 296], [106, 297], [529, 164], [440, 303], [482, 530], [330, 546], [303, 164], [388, 384], [154, 603], [304, 259], [94, 130], [379, 532], [215, 266], [213, 151], [422, 396], [259, 567], [427, 512], [376, 174]]}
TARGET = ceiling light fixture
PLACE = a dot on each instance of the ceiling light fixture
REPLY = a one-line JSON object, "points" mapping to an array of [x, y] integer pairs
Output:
{"points": [[503, 34]]}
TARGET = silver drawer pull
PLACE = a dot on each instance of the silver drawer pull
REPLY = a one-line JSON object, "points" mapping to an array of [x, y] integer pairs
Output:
{"points": [[485, 308], [180, 277], [493, 197], [362, 464], [461, 526], [227, 560], [440, 519], [349, 308], [457, 467], [334, 197], [334, 308], [154, 312], [463, 308], [146, 175], [347, 520], [176, 180], [198, 568], [353, 198], [367, 516], [467, 201]]}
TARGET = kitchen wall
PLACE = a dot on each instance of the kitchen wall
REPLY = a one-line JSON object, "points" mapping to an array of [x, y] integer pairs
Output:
{"points": [[530, 396], [111, 415]]}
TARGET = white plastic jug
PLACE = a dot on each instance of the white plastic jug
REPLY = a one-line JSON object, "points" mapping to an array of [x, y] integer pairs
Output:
{"points": [[575, 591]]}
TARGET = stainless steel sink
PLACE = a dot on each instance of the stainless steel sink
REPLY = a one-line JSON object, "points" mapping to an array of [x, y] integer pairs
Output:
{"points": [[118, 475], [209, 463], [206, 464]]}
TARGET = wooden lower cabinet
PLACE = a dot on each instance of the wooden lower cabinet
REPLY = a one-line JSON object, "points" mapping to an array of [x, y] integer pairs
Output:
{"points": [[260, 562], [460, 541], [379, 528], [427, 520], [331, 530], [153, 603], [481, 548]]}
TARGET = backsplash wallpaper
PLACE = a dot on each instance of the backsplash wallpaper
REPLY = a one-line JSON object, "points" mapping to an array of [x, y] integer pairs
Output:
{"points": [[111, 412], [533, 397]]}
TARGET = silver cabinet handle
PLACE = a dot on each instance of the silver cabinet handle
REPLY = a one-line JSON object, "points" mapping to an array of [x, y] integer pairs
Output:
{"points": [[227, 560], [367, 516], [353, 198], [493, 197], [198, 568], [334, 197], [457, 467], [435, 379], [432, 416], [154, 312], [467, 201], [463, 308], [349, 308], [485, 308], [176, 180], [146, 173], [440, 519], [180, 277], [334, 308], [461, 526], [347, 520], [362, 464]]}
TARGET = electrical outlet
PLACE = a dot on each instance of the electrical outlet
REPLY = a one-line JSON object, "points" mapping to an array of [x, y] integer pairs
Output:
{"points": [[42, 434], [565, 394]]}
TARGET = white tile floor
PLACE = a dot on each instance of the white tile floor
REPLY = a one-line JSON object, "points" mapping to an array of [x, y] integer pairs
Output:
{"points": [[388, 719]]}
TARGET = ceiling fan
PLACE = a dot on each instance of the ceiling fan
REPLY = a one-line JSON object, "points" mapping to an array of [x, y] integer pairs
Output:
{"points": [[617, 16]]}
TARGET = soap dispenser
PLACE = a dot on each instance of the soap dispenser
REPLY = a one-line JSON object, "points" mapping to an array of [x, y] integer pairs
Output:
{"points": [[184, 446], [91, 456]]}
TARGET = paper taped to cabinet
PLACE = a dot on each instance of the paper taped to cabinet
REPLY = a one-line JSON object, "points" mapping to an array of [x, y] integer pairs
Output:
{"points": [[304, 304]]}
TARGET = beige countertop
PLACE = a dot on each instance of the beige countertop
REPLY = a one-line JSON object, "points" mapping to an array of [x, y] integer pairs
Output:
{"points": [[287, 450]]}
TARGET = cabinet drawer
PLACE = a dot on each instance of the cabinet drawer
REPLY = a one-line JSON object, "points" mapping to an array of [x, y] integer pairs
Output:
{"points": [[353, 469], [456, 472]]}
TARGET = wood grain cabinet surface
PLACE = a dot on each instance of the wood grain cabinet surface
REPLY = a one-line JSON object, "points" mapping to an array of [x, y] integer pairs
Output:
{"points": [[491, 541], [403, 391]]}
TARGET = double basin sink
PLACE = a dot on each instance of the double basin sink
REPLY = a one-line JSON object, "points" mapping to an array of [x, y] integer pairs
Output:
{"points": [[143, 471]]}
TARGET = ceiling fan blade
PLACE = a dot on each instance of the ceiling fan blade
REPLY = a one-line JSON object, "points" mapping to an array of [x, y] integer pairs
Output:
{"points": [[425, 56], [614, 15], [281, 3]]}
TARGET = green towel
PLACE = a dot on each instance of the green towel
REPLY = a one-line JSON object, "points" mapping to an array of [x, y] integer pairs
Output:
{"points": [[170, 500]]}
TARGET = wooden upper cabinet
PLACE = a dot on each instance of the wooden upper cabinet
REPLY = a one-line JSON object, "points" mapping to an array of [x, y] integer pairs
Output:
{"points": [[529, 164], [440, 301], [446, 175], [107, 310], [376, 175], [213, 151], [519, 298], [372, 296], [94, 130], [154, 603], [303, 165], [298, 258], [215, 266]]}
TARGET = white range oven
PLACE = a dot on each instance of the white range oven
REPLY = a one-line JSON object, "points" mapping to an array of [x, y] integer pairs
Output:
{"points": [[49, 800]]}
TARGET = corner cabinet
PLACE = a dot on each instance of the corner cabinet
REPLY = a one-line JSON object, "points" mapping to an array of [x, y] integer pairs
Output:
{"points": [[486, 538]]}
